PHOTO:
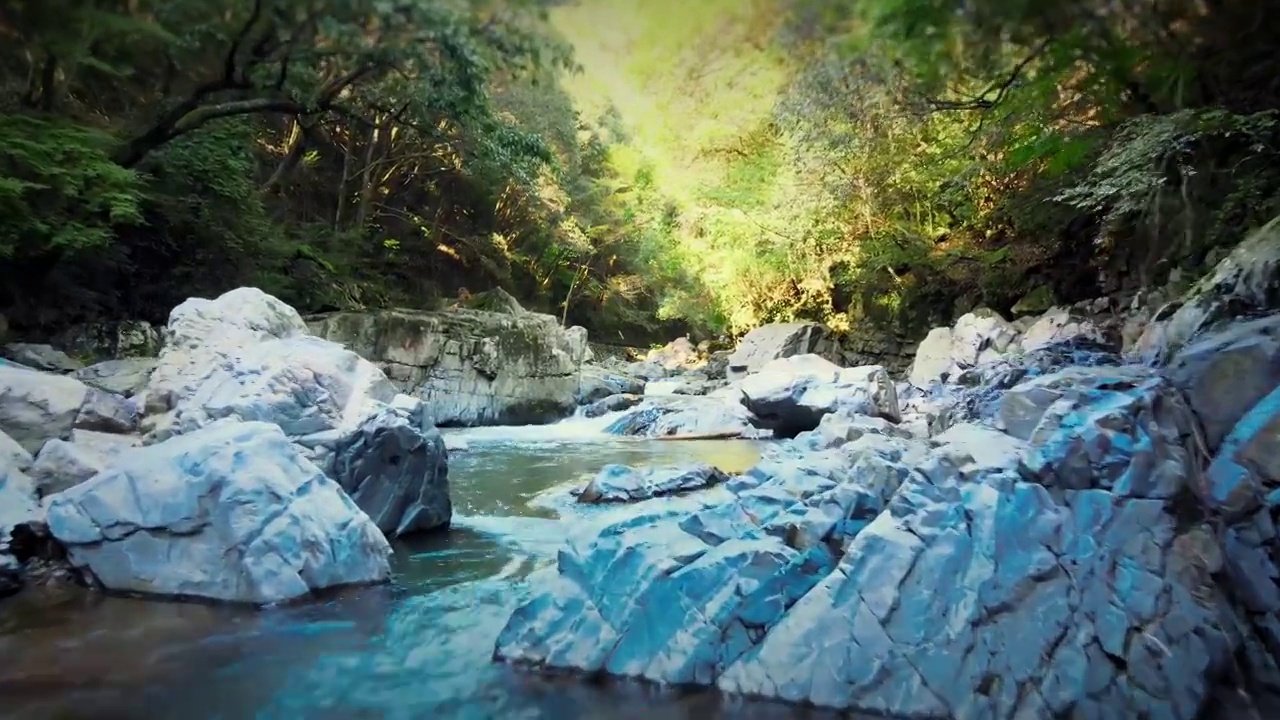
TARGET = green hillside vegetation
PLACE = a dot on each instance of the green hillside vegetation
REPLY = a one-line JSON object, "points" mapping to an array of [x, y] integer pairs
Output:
{"points": [[641, 167]]}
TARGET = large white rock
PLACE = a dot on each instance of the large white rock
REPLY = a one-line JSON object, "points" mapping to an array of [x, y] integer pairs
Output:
{"points": [[933, 358], [978, 337], [202, 335], [314, 389], [37, 406], [229, 512], [791, 395], [1058, 325]]}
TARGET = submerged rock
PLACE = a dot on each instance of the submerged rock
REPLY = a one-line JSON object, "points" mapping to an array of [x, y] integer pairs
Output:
{"points": [[229, 512], [619, 483], [395, 467]]}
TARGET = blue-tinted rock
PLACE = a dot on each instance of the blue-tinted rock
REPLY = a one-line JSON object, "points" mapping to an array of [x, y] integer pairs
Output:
{"points": [[396, 468], [619, 483]]}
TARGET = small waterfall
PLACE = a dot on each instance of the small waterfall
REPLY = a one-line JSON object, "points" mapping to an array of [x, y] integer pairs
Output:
{"points": [[572, 429]]}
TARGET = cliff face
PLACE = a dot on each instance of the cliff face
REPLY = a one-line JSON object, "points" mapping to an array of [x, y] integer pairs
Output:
{"points": [[470, 367]]}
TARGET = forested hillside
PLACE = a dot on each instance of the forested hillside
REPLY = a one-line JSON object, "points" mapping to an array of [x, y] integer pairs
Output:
{"points": [[641, 167]]}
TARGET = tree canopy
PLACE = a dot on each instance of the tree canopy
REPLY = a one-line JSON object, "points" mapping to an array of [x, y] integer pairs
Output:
{"points": [[642, 167]]}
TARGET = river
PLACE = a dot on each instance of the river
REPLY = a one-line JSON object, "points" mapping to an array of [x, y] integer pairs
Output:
{"points": [[418, 648]]}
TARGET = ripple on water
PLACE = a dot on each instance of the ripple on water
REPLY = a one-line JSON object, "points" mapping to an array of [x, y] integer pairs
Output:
{"points": [[419, 649]]}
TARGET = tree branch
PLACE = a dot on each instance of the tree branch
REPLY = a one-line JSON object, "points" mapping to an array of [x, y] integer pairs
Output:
{"points": [[984, 100]]}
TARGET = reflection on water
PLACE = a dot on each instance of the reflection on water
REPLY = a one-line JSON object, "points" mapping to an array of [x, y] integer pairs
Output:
{"points": [[420, 648]]}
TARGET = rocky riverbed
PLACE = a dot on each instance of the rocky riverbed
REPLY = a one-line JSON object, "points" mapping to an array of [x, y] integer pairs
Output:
{"points": [[1059, 516]]}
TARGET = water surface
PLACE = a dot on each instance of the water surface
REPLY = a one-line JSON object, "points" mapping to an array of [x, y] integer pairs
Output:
{"points": [[419, 648]]}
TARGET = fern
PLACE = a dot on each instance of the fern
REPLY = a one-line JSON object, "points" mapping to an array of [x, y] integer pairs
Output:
{"points": [[59, 190]]}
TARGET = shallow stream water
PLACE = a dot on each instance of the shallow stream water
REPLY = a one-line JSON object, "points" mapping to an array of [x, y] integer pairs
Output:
{"points": [[419, 648]]}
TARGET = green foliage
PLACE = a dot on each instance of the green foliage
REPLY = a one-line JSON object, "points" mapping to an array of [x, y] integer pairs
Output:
{"points": [[642, 167], [59, 192]]}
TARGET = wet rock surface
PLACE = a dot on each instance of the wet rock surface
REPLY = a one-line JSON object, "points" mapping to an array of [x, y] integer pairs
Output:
{"points": [[229, 512], [395, 467], [1052, 531]]}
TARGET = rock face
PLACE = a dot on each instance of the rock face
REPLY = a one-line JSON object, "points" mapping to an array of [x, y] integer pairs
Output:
{"points": [[977, 337], [619, 483], [396, 469], [229, 512], [470, 367], [1225, 373], [125, 377], [1246, 282], [779, 340], [36, 407], [1066, 546]]}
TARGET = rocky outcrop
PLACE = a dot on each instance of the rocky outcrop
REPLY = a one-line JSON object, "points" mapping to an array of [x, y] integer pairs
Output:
{"points": [[1224, 374], [612, 403], [229, 512], [36, 407], [1246, 282], [619, 483], [977, 337], [668, 415], [470, 367], [1067, 544], [63, 464], [779, 340], [40, 357], [791, 395], [246, 356], [112, 340], [396, 469], [596, 383], [125, 377]]}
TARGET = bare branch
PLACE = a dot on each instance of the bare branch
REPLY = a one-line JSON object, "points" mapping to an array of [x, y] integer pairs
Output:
{"points": [[985, 100]]}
